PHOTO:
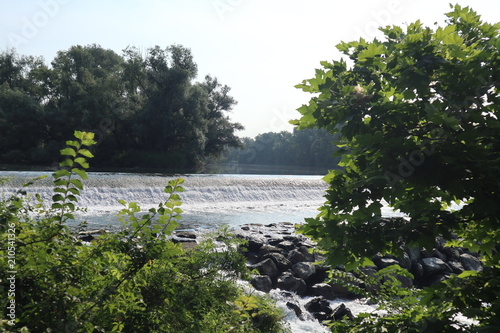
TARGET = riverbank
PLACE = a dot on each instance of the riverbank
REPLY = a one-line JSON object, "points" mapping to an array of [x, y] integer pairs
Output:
{"points": [[288, 267]]}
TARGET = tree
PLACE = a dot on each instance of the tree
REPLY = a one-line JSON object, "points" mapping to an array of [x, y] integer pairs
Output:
{"points": [[417, 120]]}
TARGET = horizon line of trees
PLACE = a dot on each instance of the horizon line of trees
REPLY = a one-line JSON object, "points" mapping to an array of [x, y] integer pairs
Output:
{"points": [[308, 150], [145, 108]]}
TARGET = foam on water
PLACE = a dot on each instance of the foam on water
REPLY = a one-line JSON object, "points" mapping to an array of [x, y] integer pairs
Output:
{"points": [[208, 200]]}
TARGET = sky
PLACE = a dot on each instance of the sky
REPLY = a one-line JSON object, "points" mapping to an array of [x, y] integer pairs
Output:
{"points": [[261, 49]]}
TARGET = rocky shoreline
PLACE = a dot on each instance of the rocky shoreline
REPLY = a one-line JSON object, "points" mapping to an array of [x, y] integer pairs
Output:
{"points": [[286, 261]]}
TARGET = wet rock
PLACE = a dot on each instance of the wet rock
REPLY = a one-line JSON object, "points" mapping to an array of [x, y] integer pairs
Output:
{"points": [[470, 263], [279, 260], [266, 267], [342, 311], [319, 308], [323, 289], [303, 270], [296, 308], [288, 282], [262, 283]]}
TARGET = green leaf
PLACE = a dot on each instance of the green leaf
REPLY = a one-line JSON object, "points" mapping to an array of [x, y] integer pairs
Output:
{"points": [[83, 162], [86, 153], [61, 173], [77, 183], [80, 172], [68, 152]]}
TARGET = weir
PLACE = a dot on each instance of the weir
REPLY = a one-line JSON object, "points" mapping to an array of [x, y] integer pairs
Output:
{"points": [[208, 200]]}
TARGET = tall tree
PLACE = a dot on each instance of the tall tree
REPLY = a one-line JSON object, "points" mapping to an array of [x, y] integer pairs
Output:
{"points": [[418, 123]]}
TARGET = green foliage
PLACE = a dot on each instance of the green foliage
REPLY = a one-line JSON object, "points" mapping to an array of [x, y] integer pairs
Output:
{"points": [[285, 152], [416, 115], [144, 107], [134, 280]]}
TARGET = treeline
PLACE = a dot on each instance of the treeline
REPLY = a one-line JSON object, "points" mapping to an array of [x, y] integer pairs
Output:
{"points": [[145, 108], [304, 151]]}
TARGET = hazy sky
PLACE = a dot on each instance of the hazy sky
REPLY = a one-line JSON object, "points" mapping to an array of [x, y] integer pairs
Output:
{"points": [[261, 49]]}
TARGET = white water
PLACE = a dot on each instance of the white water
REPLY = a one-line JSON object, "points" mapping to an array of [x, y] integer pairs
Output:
{"points": [[208, 200]]}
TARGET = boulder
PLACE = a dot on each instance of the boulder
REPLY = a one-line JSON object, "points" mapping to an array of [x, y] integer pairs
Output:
{"points": [[296, 256], [266, 267], [319, 308], [470, 262], [287, 281], [296, 308], [434, 265], [308, 255], [286, 245], [279, 260], [438, 254], [342, 311], [456, 266], [303, 270], [322, 289], [262, 283], [385, 262]]}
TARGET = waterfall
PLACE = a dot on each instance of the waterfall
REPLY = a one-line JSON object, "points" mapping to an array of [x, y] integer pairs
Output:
{"points": [[208, 200]]}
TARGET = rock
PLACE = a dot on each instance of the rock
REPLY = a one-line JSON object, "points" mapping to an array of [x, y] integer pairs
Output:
{"points": [[425, 254], [308, 256], [265, 249], [417, 270], [451, 253], [323, 289], [266, 267], [456, 266], [434, 265], [279, 260], [262, 283], [320, 275], [414, 253], [254, 244], [296, 256], [303, 270], [386, 262], [438, 254], [405, 262], [291, 283], [406, 282], [185, 234], [252, 257], [286, 245], [341, 311], [296, 308], [319, 308], [470, 262]]}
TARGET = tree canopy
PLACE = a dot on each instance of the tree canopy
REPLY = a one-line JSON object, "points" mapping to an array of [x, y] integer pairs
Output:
{"points": [[146, 108], [417, 119]]}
